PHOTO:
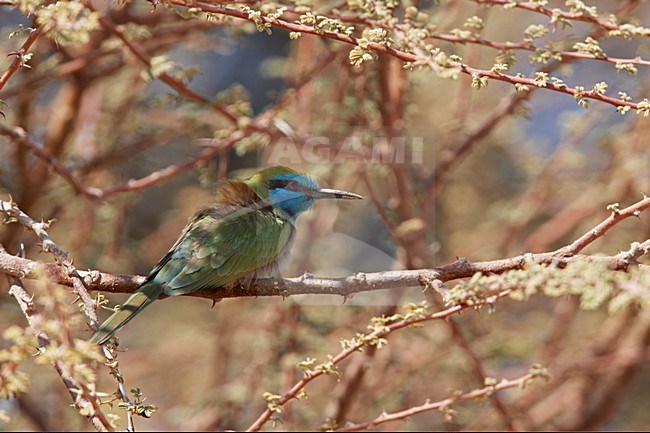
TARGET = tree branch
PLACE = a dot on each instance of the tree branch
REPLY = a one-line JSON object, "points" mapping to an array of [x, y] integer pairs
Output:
{"points": [[404, 56], [367, 339], [306, 284], [602, 228], [20, 61], [488, 390], [40, 230], [526, 46], [530, 6], [18, 136], [345, 286], [172, 82], [84, 398]]}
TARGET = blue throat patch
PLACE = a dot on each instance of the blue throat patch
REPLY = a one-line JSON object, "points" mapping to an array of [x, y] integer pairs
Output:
{"points": [[291, 202]]}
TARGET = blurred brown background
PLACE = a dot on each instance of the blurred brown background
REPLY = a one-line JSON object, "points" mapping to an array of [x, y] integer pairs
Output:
{"points": [[485, 174]]}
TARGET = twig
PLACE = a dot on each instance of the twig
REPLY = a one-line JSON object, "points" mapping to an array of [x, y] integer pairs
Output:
{"points": [[172, 82], [345, 353], [40, 230], [602, 228], [160, 39], [20, 56], [530, 6], [404, 56], [525, 46], [78, 284], [260, 123], [173, 170], [85, 400], [304, 285], [442, 404], [452, 158], [18, 136]]}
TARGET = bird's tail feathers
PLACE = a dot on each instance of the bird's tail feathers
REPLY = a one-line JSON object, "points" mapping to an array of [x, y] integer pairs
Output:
{"points": [[136, 303]]}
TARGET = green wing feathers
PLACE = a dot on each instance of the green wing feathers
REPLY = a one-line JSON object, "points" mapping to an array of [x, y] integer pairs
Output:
{"points": [[219, 250], [219, 246], [136, 303]]}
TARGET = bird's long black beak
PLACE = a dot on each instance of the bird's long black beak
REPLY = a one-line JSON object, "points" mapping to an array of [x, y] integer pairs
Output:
{"points": [[335, 193]]}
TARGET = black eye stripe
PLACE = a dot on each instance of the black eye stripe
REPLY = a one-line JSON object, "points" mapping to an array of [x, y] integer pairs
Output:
{"points": [[284, 183], [277, 183]]}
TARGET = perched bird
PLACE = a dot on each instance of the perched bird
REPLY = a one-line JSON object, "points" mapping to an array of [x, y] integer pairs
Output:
{"points": [[243, 236]]}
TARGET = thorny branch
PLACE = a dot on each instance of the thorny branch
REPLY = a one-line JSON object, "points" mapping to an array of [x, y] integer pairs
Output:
{"points": [[602, 228], [83, 397], [346, 286], [407, 57], [61, 257], [20, 61], [89, 307], [310, 375], [94, 280], [23, 268], [306, 284], [172, 82], [525, 46], [530, 6], [486, 391], [261, 122], [504, 46], [18, 136]]}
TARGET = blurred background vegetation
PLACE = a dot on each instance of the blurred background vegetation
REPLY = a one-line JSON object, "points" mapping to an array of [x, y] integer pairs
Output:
{"points": [[179, 97]]}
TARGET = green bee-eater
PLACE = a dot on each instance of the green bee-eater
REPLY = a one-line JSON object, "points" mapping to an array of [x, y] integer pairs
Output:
{"points": [[243, 236]]}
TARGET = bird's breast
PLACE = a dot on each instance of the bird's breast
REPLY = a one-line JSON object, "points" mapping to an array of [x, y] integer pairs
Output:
{"points": [[272, 269]]}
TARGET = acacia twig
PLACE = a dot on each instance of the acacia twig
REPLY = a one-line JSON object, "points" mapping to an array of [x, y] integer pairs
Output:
{"points": [[61, 257], [85, 399], [19, 61], [306, 284], [442, 404], [402, 55], [345, 353], [18, 136], [171, 81], [526, 46], [530, 6], [602, 228]]}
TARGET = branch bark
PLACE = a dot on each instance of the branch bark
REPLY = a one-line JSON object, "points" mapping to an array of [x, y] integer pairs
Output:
{"points": [[85, 399], [402, 55], [20, 56], [306, 284], [439, 405], [345, 286]]}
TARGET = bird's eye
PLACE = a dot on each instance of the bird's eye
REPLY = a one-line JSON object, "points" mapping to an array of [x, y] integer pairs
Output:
{"points": [[277, 183], [293, 185]]}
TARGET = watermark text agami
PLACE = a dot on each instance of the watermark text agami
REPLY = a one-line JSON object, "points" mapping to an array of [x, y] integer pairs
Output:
{"points": [[381, 149]]}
